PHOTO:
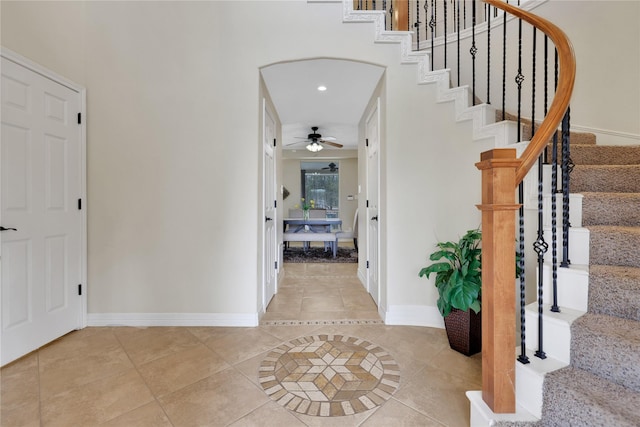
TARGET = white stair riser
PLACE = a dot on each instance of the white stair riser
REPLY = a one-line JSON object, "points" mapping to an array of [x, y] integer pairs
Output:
{"points": [[578, 245], [575, 210], [572, 287], [529, 389], [556, 336]]}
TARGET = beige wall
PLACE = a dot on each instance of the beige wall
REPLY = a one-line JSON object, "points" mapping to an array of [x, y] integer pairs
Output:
{"points": [[174, 140]]}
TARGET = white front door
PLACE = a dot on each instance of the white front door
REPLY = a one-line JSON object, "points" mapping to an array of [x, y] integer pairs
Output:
{"points": [[42, 260], [269, 199], [373, 165]]}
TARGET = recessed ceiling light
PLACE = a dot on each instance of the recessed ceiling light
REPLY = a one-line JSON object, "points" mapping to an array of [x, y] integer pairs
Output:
{"points": [[322, 88]]}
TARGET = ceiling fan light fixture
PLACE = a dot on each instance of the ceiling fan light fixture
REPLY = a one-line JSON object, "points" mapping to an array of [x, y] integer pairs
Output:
{"points": [[322, 88], [314, 147]]}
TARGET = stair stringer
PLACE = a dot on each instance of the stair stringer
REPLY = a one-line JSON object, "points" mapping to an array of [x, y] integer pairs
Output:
{"points": [[482, 115]]}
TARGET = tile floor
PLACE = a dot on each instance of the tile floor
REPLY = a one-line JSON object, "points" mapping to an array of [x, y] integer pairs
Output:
{"points": [[208, 376], [320, 291]]}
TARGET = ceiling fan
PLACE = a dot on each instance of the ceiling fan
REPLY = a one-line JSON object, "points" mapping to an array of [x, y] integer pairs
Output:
{"points": [[315, 140], [332, 167]]}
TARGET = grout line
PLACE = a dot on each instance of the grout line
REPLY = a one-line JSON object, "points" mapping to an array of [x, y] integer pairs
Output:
{"points": [[155, 398]]}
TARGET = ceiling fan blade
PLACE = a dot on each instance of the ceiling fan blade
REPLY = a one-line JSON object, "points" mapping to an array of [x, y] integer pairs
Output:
{"points": [[334, 144], [294, 143], [329, 138]]}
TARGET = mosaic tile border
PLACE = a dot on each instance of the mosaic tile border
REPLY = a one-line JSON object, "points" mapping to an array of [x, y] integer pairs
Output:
{"points": [[329, 375], [320, 322]]}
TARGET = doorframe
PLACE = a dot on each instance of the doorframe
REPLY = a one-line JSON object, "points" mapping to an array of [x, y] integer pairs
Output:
{"points": [[82, 93]]}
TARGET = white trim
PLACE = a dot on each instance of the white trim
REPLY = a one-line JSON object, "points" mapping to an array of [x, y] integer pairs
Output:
{"points": [[414, 315], [39, 69], [82, 94], [173, 319], [623, 135]]}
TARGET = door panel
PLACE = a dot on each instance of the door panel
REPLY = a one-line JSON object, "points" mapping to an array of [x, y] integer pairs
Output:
{"points": [[373, 164], [42, 261], [269, 197]]}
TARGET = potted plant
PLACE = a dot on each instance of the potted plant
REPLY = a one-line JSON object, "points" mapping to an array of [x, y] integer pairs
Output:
{"points": [[459, 283]]}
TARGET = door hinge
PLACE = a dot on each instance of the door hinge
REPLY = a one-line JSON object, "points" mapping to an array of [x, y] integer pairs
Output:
{"points": [[366, 142], [275, 203], [79, 204], [367, 203], [274, 142], [79, 118], [275, 264], [367, 264], [79, 289]]}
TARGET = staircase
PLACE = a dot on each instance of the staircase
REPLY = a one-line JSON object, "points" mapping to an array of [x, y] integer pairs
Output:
{"points": [[601, 386], [591, 375]]}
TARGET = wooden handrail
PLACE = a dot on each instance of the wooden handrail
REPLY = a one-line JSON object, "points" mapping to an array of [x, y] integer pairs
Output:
{"points": [[501, 174], [566, 79]]}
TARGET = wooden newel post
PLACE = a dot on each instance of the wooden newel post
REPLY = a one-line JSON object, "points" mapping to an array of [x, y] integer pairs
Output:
{"points": [[498, 278]]}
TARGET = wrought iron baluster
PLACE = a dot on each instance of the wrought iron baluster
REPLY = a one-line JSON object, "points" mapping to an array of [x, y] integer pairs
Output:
{"points": [[473, 52], [533, 87], [408, 14], [546, 90], [458, 37], [417, 24], [464, 14], [554, 209], [488, 18], [522, 358], [384, 8], [504, 64], [540, 247], [432, 24], [567, 167], [519, 80], [391, 15], [444, 5], [426, 22]]}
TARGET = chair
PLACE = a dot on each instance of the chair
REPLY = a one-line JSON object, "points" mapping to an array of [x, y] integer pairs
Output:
{"points": [[295, 213], [353, 234], [317, 213]]}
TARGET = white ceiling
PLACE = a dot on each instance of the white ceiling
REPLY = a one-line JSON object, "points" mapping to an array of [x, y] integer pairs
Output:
{"points": [[293, 87]]}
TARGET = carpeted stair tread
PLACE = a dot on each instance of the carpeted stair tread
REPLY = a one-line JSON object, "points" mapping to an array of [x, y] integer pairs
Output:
{"points": [[573, 397], [614, 245], [607, 346], [611, 209], [605, 178], [575, 137], [615, 291], [591, 154]]}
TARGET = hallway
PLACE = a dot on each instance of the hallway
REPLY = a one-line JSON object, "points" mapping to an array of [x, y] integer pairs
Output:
{"points": [[320, 292]]}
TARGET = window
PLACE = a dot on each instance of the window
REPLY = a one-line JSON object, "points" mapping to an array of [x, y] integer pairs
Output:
{"points": [[321, 183]]}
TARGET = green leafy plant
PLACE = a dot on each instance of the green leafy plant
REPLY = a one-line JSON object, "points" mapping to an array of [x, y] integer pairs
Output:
{"points": [[459, 276]]}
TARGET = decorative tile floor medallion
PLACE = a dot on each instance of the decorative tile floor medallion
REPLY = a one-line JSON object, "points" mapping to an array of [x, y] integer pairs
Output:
{"points": [[329, 375]]}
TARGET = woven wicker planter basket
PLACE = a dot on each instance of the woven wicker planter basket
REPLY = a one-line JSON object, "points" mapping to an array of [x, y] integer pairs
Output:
{"points": [[464, 330]]}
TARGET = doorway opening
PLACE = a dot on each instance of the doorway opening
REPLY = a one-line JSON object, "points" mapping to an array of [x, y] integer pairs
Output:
{"points": [[335, 176]]}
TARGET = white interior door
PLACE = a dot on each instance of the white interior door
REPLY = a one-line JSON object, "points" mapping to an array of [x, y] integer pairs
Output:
{"points": [[269, 198], [373, 169], [42, 260]]}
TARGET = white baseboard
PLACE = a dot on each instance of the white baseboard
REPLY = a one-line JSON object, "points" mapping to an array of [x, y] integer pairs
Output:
{"points": [[173, 319], [609, 137], [414, 315]]}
